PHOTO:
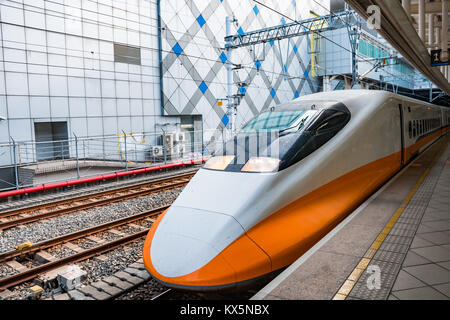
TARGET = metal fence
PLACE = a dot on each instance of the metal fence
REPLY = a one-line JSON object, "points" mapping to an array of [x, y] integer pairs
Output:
{"points": [[28, 163]]}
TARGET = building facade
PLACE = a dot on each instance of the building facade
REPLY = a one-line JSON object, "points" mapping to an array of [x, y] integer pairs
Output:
{"points": [[94, 68]]}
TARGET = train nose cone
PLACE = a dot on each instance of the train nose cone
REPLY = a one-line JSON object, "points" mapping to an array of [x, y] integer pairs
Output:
{"points": [[187, 239]]}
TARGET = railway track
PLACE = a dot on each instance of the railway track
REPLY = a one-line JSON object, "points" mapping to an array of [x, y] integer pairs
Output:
{"points": [[21, 216], [102, 246], [33, 263]]}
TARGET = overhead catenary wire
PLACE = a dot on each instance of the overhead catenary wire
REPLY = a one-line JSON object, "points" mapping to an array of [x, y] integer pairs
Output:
{"points": [[86, 52], [362, 58]]}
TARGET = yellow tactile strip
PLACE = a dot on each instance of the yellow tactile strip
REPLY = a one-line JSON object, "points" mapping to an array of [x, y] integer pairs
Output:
{"points": [[352, 279]]}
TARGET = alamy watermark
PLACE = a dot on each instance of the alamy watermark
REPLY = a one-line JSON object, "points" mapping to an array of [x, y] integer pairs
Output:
{"points": [[374, 280], [374, 20]]}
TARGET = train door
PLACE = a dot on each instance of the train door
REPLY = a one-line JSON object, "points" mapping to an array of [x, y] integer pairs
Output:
{"points": [[402, 134]]}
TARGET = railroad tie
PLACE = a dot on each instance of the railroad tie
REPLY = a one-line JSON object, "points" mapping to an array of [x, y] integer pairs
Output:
{"points": [[73, 247], [16, 266]]}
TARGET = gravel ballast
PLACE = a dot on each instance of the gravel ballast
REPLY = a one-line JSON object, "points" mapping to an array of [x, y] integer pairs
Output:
{"points": [[58, 226]]}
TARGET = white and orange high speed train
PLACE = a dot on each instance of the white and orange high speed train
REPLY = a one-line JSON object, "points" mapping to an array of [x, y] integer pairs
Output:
{"points": [[244, 216]]}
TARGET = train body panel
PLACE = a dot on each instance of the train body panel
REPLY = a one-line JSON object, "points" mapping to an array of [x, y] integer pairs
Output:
{"points": [[228, 227]]}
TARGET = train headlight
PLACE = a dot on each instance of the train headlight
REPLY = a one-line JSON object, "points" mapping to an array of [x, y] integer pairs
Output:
{"points": [[219, 162], [261, 164]]}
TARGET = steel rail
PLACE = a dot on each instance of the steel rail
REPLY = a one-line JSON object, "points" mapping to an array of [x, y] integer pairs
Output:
{"points": [[50, 204], [84, 255], [179, 182], [8, 255]]}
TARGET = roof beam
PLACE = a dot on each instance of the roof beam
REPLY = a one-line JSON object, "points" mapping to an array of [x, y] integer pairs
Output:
{"points": [[397, 29]]}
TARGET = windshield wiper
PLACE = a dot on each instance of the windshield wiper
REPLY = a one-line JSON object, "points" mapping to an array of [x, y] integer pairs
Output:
{"points": [[300, 125]]}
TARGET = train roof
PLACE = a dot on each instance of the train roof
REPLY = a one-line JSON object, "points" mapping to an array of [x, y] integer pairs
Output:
{"points": [[324, 99]]}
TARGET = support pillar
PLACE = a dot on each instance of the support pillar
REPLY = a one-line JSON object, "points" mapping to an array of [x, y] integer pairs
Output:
{"points": [[444, 37], [422, 20], [431, 18]]}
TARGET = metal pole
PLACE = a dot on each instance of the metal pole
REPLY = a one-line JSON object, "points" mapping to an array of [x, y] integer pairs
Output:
{"points": [[164, 146], [203, 147], [104, 151], [431, 91], [76, 152], [229, 75], [62, 152], [126, 155], [16, 171]]}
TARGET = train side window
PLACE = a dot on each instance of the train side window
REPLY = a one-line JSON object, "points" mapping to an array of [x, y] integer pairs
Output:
{"points": [[414, 128], [410, 129]]}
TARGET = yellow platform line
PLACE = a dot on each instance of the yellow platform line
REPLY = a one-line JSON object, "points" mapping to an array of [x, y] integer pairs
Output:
{"points": [[348, 285]]}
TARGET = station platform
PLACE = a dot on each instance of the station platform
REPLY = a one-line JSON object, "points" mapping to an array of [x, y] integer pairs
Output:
{"points": [[395, 246]]}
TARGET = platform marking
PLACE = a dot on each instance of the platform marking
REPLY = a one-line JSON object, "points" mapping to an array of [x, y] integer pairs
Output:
{"points": [[351, 281]]}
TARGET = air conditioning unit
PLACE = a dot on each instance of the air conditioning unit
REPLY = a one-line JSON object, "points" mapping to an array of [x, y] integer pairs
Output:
{"points": [[169, 141], [179, 150], [180, 137], [157, 151]]}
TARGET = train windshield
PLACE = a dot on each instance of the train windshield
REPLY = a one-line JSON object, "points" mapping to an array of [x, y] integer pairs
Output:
{"points": [[279, 121], [276, 140]]}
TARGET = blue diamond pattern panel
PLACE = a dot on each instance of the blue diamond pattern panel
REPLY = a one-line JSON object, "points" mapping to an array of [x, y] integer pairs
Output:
{"points": [[194, 62], [201, 21], [223, 57], [177, 49], [203, 87]]}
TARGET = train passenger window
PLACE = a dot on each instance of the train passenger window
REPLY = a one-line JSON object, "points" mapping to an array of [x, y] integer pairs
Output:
{"points": [[410, 129], [414, 128]]}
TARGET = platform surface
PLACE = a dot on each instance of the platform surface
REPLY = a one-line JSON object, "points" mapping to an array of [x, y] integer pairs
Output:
{"points": [[396, 245]]}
